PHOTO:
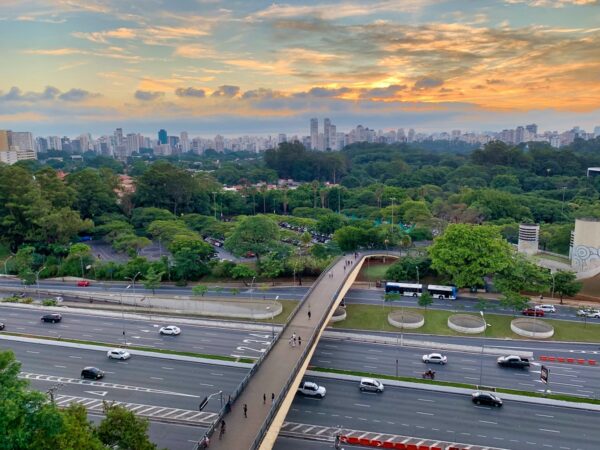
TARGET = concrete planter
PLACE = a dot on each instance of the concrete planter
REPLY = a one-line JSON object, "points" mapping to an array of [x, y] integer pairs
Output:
{"points": [[339, 315], [536, 329], [408, 320], [466, 323]]}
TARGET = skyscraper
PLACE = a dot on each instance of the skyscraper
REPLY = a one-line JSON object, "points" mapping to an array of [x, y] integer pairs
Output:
{"points": [[184, 141], [4, 146], [596, 132], [532, 128], [119, 136], [326, 131], [162, 136], [314, 134]]}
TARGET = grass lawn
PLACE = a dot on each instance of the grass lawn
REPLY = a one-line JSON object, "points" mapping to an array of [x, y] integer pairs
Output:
{"points": [[374, 318], [288, 307], [373, 272]]}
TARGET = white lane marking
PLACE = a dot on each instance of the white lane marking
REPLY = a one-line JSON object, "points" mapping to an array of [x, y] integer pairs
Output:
{"points": [[157, 378], [487, 421], [549, 431], [168, 368], [425, 400], [361, 405], [61, 367], [425, 413], [75, 357], [100, 393], [31, 351], [545, 415]]}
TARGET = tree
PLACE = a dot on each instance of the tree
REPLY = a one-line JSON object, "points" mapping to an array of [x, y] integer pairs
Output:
{"points": [[467, 253], [122, 429], [77, 431], [514, 300], [62, 225], [522, 275], [200, 290], [194, 244], [152, 279], [271, 266], [425, 300], [328, 223], [242, 271], [406, 269], [94, 191], [256, 234], [349, 238], [565, 283]]}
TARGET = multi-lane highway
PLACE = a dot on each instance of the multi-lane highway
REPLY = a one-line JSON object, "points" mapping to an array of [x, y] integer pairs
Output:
{"points": [[163, 388], [333, 351], [354, 296]]}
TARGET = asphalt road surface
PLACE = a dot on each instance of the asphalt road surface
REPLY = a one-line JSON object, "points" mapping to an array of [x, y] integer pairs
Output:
{"points": [[354, 296], [471, 368], [409, 412]]}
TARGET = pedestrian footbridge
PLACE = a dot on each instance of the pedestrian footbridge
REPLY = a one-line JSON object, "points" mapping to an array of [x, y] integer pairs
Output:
{"points": [[277, 374]]}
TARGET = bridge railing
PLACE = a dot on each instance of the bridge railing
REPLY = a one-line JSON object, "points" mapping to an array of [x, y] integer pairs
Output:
{"points": [[275, 408], [211, 429]]}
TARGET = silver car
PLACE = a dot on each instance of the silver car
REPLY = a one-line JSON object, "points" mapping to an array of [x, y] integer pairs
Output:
{"points": [[371, 385]]}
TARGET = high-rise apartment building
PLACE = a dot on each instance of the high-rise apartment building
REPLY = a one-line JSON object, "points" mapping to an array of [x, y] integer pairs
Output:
{"points": [[314, 134], [132, 143], [54, 143], [597, 132], [162, 136], [532, 129], [332, 138], [411, 135], [21, 139], [184, 141], [4, 141], [219, 143], [326, 127], [119, 137]]}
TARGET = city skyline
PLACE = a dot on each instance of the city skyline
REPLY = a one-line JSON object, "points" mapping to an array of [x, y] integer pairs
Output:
{"points": [[257, 67]]}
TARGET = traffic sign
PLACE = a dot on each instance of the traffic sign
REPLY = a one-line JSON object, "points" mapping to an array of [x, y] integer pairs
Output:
{"points": [[544, 374]]}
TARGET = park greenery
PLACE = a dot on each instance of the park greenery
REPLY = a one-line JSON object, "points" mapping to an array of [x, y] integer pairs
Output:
{"points": [[366, 196], [28, 420]]}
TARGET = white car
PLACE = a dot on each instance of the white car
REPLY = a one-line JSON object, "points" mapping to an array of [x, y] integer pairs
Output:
{"points": [[593, 313], [436, 358], [170, 330], [117, 353], [546, 308], [311, 389], [370, 384]]}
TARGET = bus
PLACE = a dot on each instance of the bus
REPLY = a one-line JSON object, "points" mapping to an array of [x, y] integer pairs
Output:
{"points": [[406, 289], [442, 292]]}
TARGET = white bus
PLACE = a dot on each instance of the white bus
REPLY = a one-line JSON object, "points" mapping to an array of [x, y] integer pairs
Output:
{"points": [[442, 292], [406, 289]]}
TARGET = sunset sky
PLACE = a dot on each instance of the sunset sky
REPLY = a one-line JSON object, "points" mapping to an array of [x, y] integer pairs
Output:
{"points": [[248, 66]]}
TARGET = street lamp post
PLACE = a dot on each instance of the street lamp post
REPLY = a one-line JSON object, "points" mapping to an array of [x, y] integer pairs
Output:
{"points": [[417, 267], [482, 348], [215, 203], [132, 279], [123, 315], [5, 266], [37, 281]]}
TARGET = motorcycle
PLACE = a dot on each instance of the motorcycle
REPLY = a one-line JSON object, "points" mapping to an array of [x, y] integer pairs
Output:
{"points": [[428, 374]]}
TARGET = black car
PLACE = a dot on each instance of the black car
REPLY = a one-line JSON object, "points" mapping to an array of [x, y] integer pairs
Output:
{"points": [[486, 398], [52, 318], [1, 326], [92, 373]]}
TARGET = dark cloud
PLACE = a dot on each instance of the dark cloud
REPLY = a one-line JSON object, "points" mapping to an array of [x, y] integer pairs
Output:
{"points": [[494, 81], [261, 93], [147, 96], [427, 83], [49, 93], [321, 92], [226, 91], [76, 95], [190, 92]]}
